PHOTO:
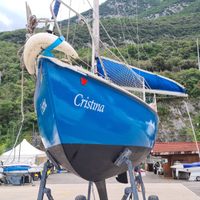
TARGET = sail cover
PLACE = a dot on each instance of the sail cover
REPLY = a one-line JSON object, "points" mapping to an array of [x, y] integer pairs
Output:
{"points": [[120, 74], [152, 81]]}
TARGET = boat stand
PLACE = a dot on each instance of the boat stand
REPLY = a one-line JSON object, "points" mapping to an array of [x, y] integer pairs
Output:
{"points": [[42, 189], [89, 189], [47, 166], [124, 158]]}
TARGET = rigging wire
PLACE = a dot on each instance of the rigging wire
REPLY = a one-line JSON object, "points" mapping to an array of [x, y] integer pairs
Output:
{"points": [[75, 25], [15, 143], [136, 32], [88, 44], [114, 43], [107, 33], [60, 23], [20, 143], [68, 21], [81, 61], [128, 66], [141, 44], [124, 21], [137, 35], [192, 128], [31, 26], [140, 41], [173, 97], [123, 32]]}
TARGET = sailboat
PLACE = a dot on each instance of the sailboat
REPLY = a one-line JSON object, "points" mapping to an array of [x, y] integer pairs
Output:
{"points": [[21, 161], [86, 119]]}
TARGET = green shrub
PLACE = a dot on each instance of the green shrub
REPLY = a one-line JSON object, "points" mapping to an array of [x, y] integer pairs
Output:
{"points": [[2, 149], [163, 109]]}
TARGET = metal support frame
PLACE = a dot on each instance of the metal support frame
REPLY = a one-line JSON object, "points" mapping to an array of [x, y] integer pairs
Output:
{"points": [[142, 184], [47, 166], [42, 189], [124, 158], [89, 190]]}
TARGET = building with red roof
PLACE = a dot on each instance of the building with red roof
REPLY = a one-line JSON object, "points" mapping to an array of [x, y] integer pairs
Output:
{"points": [[171, 152]]}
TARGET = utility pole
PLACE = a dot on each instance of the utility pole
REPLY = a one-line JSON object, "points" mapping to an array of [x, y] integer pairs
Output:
{"points": [[13, 133], [33, 135], [198, 53], [7, 138], [35, 138], [0, 77]]}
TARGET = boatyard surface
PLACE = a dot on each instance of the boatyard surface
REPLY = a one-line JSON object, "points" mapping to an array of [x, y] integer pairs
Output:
{"points": [[67, 186]]}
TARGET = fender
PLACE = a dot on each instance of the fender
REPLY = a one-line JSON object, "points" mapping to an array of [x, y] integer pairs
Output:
{"points": [[38, 43]]}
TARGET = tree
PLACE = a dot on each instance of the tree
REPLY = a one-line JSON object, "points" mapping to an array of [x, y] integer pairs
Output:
{"points": [[159, 63], [172, 62], [2, 149], [187, 64]]}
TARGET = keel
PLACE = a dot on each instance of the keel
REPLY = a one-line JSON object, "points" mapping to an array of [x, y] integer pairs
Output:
{"points": [[101, 188]]}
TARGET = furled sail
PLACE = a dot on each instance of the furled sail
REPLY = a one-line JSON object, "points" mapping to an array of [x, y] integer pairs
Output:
{"points": [[125, 76]]}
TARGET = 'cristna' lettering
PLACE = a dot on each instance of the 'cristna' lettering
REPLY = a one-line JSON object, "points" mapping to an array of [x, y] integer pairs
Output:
{"points": [[87, 104]]}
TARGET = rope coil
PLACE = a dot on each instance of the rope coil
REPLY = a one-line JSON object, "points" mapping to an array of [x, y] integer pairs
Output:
{"points": [[30, 31]]}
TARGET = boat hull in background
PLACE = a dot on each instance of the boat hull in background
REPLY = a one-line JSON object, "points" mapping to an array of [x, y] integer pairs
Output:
{"points": [[85, 123]]}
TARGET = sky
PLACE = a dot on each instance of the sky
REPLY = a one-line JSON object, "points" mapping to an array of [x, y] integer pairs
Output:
{"points": [[13, 12]]}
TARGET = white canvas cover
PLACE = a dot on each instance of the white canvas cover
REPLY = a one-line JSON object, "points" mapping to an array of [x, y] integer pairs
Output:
{"points": [[28, 154]]}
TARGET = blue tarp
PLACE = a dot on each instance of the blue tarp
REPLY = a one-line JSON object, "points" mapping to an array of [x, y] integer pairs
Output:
{"points": [[16, 168], [155, 82], [189, 165]]}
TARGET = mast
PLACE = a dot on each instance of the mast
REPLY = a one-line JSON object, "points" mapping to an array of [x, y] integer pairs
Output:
{"points": [[95, 34]]}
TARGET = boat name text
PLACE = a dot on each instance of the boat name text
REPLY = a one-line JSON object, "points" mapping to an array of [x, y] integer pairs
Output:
{"points": [[85, 103]]}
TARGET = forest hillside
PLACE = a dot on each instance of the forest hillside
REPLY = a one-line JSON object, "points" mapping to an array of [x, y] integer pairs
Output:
{"points": [[167, 45]]}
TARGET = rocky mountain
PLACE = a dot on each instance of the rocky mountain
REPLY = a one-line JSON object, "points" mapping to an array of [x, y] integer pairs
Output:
{"points": [[146, 9], [169, 42], [159, 20], [174, 123]]}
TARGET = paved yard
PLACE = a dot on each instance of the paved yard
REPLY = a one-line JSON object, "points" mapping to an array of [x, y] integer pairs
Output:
{"points": [[66, 186]]}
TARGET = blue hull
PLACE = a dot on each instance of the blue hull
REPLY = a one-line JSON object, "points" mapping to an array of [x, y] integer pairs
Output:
{"points": [[16, 168], [74, 108]]}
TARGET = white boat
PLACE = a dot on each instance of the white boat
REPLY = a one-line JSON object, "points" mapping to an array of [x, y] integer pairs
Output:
{"points": [[18, 173], [23, 160], [191, 170]]}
